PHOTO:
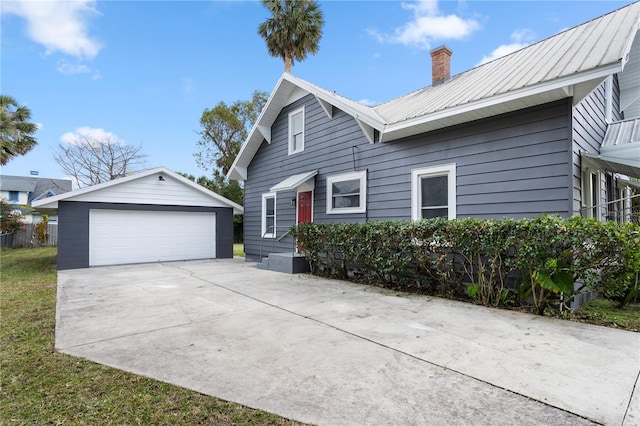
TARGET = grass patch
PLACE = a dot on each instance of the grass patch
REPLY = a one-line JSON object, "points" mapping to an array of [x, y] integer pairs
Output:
{"points": [[40, 386], [238, 249], [606, 312]]}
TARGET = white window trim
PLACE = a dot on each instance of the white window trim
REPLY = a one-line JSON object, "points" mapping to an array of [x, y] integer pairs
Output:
{"points": [[263, 233], [362, 176], [448, 170], [291, 115]]}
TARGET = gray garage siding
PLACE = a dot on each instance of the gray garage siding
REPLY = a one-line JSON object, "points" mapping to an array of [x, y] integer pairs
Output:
{"points": [[73, 229], [514, 165]]}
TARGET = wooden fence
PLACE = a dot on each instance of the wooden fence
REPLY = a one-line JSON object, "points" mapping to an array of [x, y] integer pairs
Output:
{"points": [[27, 238]]}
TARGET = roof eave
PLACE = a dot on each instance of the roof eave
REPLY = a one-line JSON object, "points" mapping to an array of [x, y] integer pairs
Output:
{"points": [[52, 202], [563, 86], [366, 117]]}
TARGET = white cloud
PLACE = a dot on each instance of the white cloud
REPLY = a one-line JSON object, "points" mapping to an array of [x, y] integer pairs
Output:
{"points": [[58, 25], [427, 25], [67, 68], [90, 134], [520, 38]]}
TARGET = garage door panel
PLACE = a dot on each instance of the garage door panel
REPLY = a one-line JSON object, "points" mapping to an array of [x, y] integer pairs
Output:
{"points": [[132, 236]]}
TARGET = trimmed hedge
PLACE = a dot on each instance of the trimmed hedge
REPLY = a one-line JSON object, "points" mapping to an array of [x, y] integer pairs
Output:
{"points": [[520, 263]]}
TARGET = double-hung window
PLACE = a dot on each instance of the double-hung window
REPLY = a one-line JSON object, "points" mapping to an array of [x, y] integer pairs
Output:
{"points": [[14, 196], [433, 192], [347, 193], [268, 215], [296, 131]]}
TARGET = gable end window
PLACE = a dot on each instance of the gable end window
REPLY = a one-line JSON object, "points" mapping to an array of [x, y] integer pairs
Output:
{"points": [[268, 216], [433, 192], [296, 131], [347, 193]]}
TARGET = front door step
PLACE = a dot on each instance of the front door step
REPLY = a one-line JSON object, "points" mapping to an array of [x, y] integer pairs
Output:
{"points": [[288, 263]]}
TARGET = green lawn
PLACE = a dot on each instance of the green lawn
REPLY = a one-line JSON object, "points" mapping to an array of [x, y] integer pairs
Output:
{"points": [[238, 249], [605, 312], [40, 386]]}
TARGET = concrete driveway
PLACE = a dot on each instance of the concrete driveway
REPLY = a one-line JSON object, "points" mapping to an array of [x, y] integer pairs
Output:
{"points": [[336, 353]]}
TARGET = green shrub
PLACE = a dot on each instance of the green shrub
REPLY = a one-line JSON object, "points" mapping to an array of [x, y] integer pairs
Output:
{"points": [[11, 219], [530, 262]]}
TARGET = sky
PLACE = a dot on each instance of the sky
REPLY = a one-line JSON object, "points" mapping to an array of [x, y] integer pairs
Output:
{"points": [[142, 72]]}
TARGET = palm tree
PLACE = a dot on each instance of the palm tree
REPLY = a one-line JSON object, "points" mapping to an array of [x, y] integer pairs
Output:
{"points": [[293, 31], [15, 129]]}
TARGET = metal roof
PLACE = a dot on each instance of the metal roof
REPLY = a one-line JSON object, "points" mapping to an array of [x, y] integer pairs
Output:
{"points": [[623, 133], [292, 182], [569, 64], [587, 48]]}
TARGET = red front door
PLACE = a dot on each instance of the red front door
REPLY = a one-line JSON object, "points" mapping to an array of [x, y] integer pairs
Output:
{"points": [[305, 203]]}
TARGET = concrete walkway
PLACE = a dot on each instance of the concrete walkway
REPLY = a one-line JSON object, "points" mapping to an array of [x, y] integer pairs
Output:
{"points": [[336, 353]]}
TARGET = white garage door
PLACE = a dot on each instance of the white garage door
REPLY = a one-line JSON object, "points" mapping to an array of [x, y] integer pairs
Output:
{"points": [[126, 236]]}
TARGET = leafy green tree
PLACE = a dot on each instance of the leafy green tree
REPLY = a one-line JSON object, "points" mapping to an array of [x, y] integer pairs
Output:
{"points": [[223, 129], [219, 184], [293, 30], [11, 219], [229, 189], [16, 132]]}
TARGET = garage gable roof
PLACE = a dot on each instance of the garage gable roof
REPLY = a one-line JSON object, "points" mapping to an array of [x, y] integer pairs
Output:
{"points": [[569, 64], [154, 186]]}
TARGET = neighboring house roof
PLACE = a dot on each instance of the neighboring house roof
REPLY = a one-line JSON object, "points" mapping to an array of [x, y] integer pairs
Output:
{"points": [[569, 64], [36, 187], [16, 183], [105, 192]]}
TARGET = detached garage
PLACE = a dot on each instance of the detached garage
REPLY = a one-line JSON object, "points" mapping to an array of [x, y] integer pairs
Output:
{"points": [[152, 216]]}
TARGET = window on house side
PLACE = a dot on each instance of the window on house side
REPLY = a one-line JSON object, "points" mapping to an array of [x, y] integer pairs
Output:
{"points": [[296, 131], [590, 194], [268, 216], [433, 192], [347, 193], [13, 196]]}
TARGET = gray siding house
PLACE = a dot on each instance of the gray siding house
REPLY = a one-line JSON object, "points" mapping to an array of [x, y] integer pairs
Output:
{"points": [[553, 128]]}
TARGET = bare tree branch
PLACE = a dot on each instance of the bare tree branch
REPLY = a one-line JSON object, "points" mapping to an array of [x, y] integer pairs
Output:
{"points": [[90, 161]]}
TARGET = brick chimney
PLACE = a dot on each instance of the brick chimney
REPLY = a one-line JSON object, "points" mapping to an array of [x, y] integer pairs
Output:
{"points": [[440, 64]]}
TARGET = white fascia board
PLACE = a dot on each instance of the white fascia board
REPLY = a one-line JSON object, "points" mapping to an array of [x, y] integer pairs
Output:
{"points": [[52, 202], [260, 126], [87, 189], [557, 84], [371, 118], [231, 174]]}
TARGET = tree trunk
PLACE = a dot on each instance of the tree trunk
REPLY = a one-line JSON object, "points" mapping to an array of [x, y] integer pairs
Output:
{"points": [[288, 62]]}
